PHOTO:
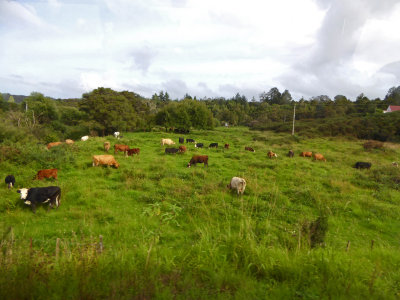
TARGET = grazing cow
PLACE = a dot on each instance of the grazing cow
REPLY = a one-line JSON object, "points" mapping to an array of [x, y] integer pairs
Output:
{"points": [[198, 159], [167, 142], [249, 149], [133, 151], [69, 142], [291, 153], [272, 154], [213, 145], [46, 173], [84, 138], [238, 184], [10, 181], [182, 149], [318, 156], [362, 165], [50, 145], [122, 148], [306, 154], [116, 134], [181, 140], [226, 146], [190, 141], [34, 196], [198, 145], [171, 150], [107, 146], [105, 159]]}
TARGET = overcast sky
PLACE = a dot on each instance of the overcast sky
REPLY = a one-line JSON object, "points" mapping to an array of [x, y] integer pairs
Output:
{"points": [[206, 48]]}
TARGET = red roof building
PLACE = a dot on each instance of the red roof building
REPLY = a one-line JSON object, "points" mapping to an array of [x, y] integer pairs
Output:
{"points": [[392, 108]]}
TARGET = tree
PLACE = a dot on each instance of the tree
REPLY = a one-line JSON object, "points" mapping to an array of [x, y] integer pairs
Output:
{"points": [[41, 109], [11, 99], [393, 96], [272, 97], [286, 97]]}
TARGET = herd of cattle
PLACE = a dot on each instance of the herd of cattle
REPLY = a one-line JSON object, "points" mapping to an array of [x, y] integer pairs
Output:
{"points": [[52, 194]]}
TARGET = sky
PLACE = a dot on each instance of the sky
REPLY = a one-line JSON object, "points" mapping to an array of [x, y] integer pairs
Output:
{"points": [[205, 48]]}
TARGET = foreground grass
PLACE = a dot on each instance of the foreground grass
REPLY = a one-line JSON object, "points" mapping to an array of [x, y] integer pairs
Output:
{"points": [[174, 232]]}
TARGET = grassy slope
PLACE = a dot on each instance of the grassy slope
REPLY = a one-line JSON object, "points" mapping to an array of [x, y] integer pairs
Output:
{"points": [[170, 231]]}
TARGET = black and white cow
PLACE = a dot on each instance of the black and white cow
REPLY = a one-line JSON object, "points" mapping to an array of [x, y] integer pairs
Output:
{"points": [[10, 181], [213, 145], [190, 141], [199, 145], [34, 196]]}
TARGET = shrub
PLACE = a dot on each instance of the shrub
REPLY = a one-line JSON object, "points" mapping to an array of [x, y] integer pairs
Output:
{"points": [[373, 145]]}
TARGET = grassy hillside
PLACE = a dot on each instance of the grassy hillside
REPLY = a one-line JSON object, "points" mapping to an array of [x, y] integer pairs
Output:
{"points": [[170, 231]]}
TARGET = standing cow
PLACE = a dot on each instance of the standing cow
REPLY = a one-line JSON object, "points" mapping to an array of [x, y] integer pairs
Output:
{"points": [[238, 184], [198, 159], [10, 181], [46, 173], [291, 153], [167, 142], [34, 196]]}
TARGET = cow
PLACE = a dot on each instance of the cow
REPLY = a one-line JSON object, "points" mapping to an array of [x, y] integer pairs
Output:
{"points": [[133, 151], [198, 145], [213, 145], [69, 142], [182, 149], [362, 165], [181, 140], [116, 134], [34, 196], [167, 142], [249, 149], [122, 148], [190, 141], [46, 173], [306, 154], [291, 153], [171, 150], [226, 146], [395, 164], [198, 159], [238, 184], [272, 154], [106, 146], [105, 159], [84, 138], [318, 156], [10, 181], [50, 145]]}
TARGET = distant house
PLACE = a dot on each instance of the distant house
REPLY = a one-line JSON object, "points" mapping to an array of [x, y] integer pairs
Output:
{"points": [[392, 108]]}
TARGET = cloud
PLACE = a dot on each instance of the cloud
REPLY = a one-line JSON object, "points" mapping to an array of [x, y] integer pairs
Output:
{"points": [[143, 57], [14, 14]]}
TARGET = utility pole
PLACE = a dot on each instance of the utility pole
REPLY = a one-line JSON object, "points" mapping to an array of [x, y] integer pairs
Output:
{"points": [[294, 117]]}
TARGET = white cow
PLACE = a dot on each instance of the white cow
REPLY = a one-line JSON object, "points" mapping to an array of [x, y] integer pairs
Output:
{"points": [[167, 142], [238, 184], [116, 134], [85, 138]]}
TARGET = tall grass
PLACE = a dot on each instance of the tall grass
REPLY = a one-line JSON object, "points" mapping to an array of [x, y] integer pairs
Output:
{"points": [[168, 231]]}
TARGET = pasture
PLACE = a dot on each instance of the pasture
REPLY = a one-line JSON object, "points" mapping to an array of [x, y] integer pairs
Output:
{"points": [[168, 231]]}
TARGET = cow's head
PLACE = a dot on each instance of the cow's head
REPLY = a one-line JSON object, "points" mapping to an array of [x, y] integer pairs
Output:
{"points": [[116, 165], [23, 192]]}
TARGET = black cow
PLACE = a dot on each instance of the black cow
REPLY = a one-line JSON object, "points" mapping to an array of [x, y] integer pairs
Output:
{"points": [[199, 145], [34, 196], [362, 165], [213, 145], [190, 141], [181, 140], [171, 150], [10, 181], [291, 153]]}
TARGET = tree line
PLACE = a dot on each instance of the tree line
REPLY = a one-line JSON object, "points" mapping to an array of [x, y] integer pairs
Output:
{"points": [[103, 111]]}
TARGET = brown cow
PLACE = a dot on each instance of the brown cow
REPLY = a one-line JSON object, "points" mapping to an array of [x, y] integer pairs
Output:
{"points": [[226, 146], [50, 145], [182, 149], [105, 159], [133, 151], [46, 173], [106, 146], [198, 159], [318, 156], [272, 154], [69, 142], [306, 154], [122, 148], [249, 149]]}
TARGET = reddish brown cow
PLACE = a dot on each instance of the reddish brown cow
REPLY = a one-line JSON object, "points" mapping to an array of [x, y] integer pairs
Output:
{"points": [[133, 151], [318, 156], [226, 146], [47, 173], [249, 149], [198, 159], [50, 145], [122, 148], [306, 154], [182, 149]]}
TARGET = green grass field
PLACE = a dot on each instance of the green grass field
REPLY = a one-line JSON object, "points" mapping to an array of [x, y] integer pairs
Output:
{"points": [[169, 231]]}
